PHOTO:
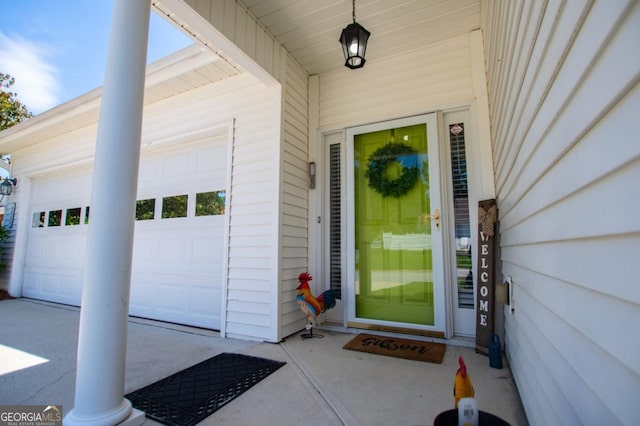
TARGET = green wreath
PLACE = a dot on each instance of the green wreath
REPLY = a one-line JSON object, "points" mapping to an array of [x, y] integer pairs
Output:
{"points": [[378, 163]]}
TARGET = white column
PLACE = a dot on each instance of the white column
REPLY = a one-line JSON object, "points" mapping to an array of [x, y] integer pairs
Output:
{"points": [[99, 393]]}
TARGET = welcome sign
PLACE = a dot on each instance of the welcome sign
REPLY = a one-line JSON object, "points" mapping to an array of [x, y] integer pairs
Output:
{"points": [[487, 218]]}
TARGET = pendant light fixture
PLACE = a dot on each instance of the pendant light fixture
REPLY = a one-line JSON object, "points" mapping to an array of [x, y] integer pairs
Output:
{"points": [[354, 43]]}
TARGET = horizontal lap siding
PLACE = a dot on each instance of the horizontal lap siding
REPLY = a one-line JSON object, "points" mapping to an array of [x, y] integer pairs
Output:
{"points": [[253, 193], [423, 81], [251, 274], [294, 253], [58, 153], [564, 91], [235, 22]]}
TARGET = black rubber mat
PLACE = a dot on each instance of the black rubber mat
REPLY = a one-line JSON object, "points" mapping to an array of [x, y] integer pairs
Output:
{"points": [[189, 396]]}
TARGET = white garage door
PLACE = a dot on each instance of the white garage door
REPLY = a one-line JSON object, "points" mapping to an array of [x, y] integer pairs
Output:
{"points": [[178, 241]]}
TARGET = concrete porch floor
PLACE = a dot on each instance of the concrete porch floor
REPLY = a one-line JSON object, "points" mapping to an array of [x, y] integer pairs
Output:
{"points": [[321, 384]]}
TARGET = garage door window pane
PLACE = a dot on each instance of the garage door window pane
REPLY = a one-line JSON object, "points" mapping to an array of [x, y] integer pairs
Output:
{"points": [[55, 217], [73, 217], [210, 203], [86, 215], [146, 209], [175, 206], [38, 220]]}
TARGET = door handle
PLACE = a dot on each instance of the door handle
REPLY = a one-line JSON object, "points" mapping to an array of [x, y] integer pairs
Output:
{"points": [[435, 217]]}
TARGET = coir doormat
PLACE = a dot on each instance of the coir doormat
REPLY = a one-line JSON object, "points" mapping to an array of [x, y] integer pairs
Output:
{"points": [[187, 397], [399, 348]]}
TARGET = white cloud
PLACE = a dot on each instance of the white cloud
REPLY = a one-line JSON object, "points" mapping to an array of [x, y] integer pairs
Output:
{"points": [[37, 85]]}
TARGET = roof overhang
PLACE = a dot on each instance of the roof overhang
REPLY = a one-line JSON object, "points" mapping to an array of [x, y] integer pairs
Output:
{"points": [[187, 69]]}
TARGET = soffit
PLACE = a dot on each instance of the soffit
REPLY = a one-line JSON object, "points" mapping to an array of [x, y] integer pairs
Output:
{"points": [[309, 29], [185, 70]]}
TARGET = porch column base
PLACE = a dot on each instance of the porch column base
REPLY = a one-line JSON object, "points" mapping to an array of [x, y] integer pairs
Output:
{"points": [[124, 415], [136, 418]]}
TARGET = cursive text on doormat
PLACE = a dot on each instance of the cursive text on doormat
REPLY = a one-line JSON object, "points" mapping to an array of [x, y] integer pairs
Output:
{"points": [[398, 347]]}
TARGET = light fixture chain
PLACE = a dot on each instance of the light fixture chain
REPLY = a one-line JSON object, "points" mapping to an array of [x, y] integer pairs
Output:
{"points": [[354, 10]]}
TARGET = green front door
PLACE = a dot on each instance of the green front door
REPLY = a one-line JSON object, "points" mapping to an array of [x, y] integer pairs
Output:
{"points": [[397, 274]]}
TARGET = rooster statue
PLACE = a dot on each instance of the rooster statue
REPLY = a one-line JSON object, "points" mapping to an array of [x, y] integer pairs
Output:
{"points": [[310, 305], [462, 387]]}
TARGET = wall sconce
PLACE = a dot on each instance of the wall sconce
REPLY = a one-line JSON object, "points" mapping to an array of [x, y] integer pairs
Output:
{"points": [[354, 43], [7, 185], [312, 175]]}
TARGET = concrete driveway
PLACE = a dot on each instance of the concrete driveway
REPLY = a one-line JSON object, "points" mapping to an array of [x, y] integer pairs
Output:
{"points": [[321, 384]]}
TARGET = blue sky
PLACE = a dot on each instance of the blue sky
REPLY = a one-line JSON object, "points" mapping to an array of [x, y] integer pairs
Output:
{"points": [[56, 49]]}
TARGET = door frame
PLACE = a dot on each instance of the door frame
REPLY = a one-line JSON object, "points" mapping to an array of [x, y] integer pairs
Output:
{"points": [[480, 181], [461, 321], [439, 271]]}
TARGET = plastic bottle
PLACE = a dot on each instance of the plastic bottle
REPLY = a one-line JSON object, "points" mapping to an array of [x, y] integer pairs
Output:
{"points": [[467, 412]]}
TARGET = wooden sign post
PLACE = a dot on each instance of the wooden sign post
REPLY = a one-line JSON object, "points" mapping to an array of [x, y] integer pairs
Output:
{"points": [[485, 294]]}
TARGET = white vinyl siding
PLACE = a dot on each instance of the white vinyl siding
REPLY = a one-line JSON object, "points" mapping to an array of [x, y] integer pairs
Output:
{"points": [[59, 153], [253, 205], [564, 93], [426, 80], [442, 77], [251, 290], [236, 35], [294, 257]]}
